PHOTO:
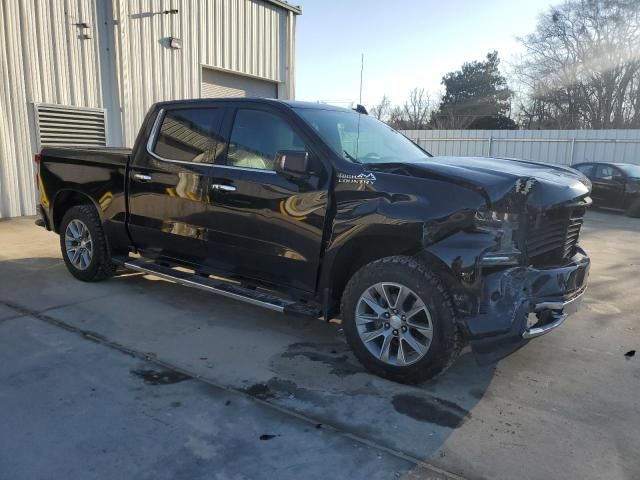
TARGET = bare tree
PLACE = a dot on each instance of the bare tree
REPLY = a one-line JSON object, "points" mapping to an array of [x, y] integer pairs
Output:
{"points": [[382, 110], [414, 114], [397, 118], [582, 66], [417, 109]]}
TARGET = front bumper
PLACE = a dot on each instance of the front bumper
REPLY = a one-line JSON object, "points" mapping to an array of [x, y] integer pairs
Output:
{"points": [[522, 303], [557, 312]]}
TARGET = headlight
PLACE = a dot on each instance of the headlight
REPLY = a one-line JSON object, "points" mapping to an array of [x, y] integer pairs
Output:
{"points": [[494, 220], [586, 182], [504, 224]]}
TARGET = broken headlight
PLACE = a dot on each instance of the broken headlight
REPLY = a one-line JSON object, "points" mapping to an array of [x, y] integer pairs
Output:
{"points": [[492, 219], [504, 225], [586, 182]]}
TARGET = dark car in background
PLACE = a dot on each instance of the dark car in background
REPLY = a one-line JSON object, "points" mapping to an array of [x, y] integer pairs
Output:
{"points": [[615, 185]]}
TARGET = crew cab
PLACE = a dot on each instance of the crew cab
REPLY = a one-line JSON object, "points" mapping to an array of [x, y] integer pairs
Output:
{"points": [[315, 210]]}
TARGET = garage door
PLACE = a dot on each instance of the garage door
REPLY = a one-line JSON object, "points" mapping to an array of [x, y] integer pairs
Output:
{"points": [[222, 84]]}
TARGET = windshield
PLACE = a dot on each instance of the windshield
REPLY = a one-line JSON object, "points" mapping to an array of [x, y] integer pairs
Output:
{"points": [[632, 171], [361, 138]]}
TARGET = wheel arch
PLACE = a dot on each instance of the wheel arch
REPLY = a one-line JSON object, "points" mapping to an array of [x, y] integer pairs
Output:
{"points": [[358, 252], [367, 248], [66, 199]]}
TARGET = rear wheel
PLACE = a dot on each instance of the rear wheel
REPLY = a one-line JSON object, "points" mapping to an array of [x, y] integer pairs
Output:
{"points": [[84, 245], [399, 320]]}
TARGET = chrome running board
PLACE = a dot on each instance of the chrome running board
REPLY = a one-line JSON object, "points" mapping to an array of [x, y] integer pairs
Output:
{"points": [[218, 287]]}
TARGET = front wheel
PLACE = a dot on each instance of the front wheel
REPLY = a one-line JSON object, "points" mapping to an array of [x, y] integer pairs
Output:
{"points": [[84, 245], [399, 320]]}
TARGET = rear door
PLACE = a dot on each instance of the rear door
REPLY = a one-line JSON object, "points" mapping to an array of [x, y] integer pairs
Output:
{"points": [[270, 227], [169, 203]]}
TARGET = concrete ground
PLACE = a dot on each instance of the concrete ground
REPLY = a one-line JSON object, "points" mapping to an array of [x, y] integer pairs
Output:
{"points": [[140, 378]]}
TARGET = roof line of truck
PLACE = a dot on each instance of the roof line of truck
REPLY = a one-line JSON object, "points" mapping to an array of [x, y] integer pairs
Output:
{"points": [[266, 101]]}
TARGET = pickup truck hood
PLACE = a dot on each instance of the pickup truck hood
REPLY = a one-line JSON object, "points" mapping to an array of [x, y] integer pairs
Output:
{"points": [[496, 177]]}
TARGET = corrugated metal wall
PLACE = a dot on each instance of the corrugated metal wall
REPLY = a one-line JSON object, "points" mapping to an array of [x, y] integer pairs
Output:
{"points": [[43, 58], [564, 147], [120, 61], [247, 36]]}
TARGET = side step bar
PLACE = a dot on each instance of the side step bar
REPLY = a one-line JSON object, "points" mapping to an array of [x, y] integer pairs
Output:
{"points": [[219, 287]]}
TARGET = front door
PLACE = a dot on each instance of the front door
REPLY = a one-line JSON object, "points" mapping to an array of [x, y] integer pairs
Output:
{"points": [[169, 201], [270, 228], [608, 186]]}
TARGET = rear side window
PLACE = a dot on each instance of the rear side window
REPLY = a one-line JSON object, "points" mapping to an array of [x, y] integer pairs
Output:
{"points": [[189, 135], [586, 169], [256, 138]]}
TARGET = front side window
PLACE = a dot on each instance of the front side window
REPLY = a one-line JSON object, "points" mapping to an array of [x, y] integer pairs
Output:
{"points": [[188, 135], [606, 172], [257, 136], [361, 138]]}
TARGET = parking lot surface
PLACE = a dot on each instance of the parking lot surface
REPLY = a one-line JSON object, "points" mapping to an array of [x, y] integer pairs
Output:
{"points": [[140, 378]]}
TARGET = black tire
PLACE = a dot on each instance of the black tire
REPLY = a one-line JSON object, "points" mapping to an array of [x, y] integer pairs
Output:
{"points": [[633, 210], [446, 342], [100, 266]]}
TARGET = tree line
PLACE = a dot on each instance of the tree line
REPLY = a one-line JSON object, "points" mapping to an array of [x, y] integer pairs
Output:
{"points": [[580, 69]]}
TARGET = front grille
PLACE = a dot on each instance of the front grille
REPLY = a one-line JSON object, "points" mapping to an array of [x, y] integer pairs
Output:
{"points": [[552, 235]]}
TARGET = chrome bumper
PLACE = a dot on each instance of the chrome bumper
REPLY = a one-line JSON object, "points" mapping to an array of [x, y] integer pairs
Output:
{"points": [[560, 311]]}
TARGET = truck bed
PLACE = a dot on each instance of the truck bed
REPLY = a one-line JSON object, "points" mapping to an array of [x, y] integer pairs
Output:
{"points": [[69, 175], [109, 155]]}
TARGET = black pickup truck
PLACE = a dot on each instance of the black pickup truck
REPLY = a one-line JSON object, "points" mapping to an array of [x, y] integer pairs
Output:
{"points": [[326, 212]]}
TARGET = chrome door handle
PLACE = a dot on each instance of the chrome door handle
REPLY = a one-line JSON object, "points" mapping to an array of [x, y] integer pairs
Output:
{"points": [[223, 188], [141, 177]]}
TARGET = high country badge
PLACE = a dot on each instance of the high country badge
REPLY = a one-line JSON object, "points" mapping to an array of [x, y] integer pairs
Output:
{"points": [[362, 178]]}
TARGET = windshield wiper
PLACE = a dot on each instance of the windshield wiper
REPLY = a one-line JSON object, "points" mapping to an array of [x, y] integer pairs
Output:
{"points": [[350, 157]]}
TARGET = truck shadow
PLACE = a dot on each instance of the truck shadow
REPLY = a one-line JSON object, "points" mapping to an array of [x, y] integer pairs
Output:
{"points": [[299, 365]]}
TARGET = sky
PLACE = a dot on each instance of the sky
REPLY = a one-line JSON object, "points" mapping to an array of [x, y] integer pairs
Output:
{"points": [[406, 44]]}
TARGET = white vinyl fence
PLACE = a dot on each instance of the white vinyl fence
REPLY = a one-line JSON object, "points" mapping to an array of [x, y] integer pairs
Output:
{"points": [[565, 147]]}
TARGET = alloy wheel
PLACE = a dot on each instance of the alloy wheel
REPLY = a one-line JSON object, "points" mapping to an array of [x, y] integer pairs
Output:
{"points": [[78, 244], [394, 323]]}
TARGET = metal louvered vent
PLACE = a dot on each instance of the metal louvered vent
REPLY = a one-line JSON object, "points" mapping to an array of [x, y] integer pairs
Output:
{"points": [[65, 125]]}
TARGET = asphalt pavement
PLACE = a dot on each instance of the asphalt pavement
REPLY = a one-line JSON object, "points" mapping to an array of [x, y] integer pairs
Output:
{"points": [[139, 378]]}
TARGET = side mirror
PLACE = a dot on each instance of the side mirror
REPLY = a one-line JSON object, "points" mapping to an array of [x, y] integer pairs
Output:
{"points": [[292, 163]]}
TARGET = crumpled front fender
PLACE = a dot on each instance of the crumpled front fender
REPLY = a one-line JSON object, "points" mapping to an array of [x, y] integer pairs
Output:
{"points": [[493, 305], [510, 296]]}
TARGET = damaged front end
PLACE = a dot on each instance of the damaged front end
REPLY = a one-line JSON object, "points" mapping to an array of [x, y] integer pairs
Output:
{"points": [[517, 271]]}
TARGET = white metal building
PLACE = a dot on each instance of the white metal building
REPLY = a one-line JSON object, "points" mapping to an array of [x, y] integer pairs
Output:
{"points": [[86, 71]]}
